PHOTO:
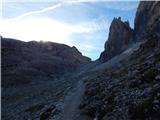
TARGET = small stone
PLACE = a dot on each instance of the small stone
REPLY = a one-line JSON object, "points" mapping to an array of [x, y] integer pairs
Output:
{"points": [[158, 94], [154, 108], [155, 86], [157, 77], [120, 109], [146, 110], [155, 101], [157, 106]]}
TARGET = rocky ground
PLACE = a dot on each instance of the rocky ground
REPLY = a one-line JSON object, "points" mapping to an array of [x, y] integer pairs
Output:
{"points": [[36, 76], [127, 90], [130, 90], [32, 100]]}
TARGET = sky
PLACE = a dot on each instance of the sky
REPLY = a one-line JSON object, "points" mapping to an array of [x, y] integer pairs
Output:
{"points": [[81, 23]]}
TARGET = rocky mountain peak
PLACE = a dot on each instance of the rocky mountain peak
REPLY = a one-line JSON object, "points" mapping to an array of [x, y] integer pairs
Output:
{"points": [[120, 35], [147, 19], [119, 21], [128, 88], [147, 23]]}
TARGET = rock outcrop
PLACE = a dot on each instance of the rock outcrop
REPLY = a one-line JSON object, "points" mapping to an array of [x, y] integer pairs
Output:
{"points": [[23, 62], [120, 36], [147, 20], [130, 90]]}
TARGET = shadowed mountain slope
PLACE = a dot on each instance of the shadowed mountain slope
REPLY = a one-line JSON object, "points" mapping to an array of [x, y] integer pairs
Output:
{"points": [[23, 62]]}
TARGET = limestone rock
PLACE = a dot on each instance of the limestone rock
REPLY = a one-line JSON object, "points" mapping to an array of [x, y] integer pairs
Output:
{"points": [[147, 19], [120, 36]]}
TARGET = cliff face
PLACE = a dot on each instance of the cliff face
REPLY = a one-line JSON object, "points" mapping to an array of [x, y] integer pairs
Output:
{"points": [[129, 89], [24, 62], [120, 36], [146, 24], [147, 20]]}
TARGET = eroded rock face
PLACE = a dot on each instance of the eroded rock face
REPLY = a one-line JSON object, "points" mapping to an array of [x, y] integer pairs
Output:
{"points": [[120, 36], [147, 23], [147, 19], [130, 90], [24, 62]]}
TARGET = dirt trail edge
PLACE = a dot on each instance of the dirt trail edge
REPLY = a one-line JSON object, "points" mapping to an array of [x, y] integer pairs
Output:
{"points": [[71, 104]]}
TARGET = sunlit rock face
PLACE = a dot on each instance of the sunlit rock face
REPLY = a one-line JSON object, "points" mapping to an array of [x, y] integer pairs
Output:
{"points": [[24, 62], [120, 36], [147, 20]]}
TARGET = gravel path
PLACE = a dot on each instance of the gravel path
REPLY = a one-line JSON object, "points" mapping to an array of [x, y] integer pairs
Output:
{"points": [[71, 104]]}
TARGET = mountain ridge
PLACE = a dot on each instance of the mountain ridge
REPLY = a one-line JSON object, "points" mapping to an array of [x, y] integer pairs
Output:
{"points": [[128, 88], [38, 58], [147, 21]]}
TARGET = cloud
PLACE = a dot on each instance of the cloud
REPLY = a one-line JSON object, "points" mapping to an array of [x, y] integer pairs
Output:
{"points": [[119, 5], [90, 41], [94, 25], [47, 29], [82, 23], [71, 1], [39, 11], [122, 5], [36, 29]]}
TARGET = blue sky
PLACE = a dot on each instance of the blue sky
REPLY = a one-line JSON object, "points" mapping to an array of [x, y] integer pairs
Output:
{"points": [[81, 23]]}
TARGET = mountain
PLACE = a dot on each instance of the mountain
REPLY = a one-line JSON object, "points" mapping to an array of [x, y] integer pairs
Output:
{"points": [[37, 60], [120, 37], [147, 19], [50, 81], [35, 75], [127, 86]]}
